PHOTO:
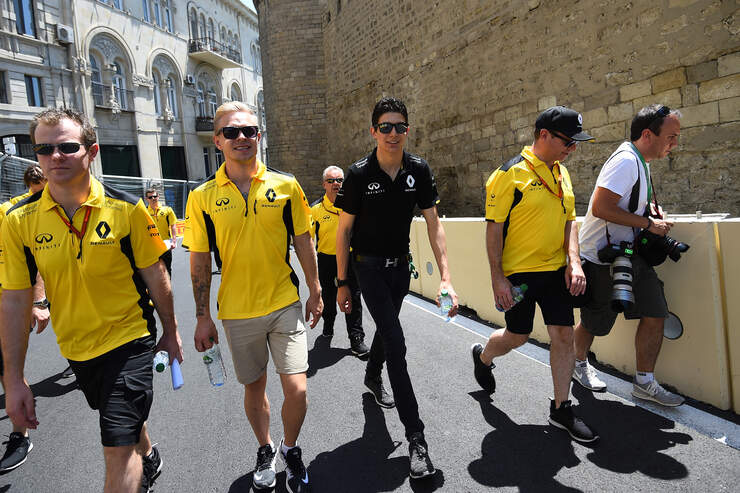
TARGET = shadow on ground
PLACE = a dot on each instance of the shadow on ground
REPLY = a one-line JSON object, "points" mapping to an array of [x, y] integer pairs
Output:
{"points": [[322, 355], [47, 387]]}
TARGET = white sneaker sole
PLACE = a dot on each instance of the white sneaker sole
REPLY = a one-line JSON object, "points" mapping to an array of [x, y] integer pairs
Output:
{"points": [[592, 389], [30, 447], [648, 397], [424, 475], [577, 439], [384, 406]]}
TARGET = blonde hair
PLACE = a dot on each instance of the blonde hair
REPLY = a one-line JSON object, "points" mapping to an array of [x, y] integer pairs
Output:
{"points": [[225, 109]]}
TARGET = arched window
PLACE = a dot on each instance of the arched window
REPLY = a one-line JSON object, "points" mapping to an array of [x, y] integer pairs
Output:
{"points": [[168, 15], [95, 68], [200, 99], [119, 85], [172, 96], [211, 31], [157, 13], [145, 8], [157, 101], [236, 43], [193, 24], [223, 34], [96, 81], [212, 102], [236, 94], [258, 60], [203, 32]]}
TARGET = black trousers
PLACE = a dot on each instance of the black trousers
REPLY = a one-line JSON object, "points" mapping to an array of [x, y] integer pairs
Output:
{"points": [[384, 289], [327, 274], [167, 259]]}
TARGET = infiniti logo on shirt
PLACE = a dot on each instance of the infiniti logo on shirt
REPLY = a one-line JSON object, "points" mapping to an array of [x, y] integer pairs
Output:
{"points": [[44, 238], [373, 186], [223, 201]]}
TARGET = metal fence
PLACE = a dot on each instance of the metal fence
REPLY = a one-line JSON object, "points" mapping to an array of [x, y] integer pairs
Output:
{"points": [[173, 193], [104, 96]]}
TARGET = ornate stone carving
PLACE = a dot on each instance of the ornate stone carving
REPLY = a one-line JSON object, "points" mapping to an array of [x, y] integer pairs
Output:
{"points": [[142, 80], [164, 66], [107, 46]]}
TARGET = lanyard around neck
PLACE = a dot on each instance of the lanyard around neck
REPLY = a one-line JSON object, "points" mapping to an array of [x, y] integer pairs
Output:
{"points": [[559, 180], [79, 233], [647, 173]]}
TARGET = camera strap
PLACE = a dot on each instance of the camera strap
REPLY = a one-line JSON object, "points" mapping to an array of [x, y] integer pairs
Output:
{"points": [[635, 193]]}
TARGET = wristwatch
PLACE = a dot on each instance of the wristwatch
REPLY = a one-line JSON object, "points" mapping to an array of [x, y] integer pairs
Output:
{"points": [[340, 282], [42, 303]]}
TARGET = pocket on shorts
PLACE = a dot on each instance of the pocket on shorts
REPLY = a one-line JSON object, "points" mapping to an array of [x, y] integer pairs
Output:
{"points": [[138, 392]]}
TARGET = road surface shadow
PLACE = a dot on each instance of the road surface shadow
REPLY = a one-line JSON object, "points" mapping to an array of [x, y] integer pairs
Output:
{"points": [[632, 438], [47, 387], [322, 355], [526, 456]]}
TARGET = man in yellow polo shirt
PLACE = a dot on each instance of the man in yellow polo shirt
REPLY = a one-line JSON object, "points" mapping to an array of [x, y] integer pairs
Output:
{"points": [[325, 219], [98, 252], [165, 219], [532, 239], [247, 215]]}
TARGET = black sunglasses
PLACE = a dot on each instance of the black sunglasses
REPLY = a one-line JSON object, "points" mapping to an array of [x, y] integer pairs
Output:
{"points": [[151, 197], [64, 148], [230, 133], [568, 141], [386, 127], [334, 180]]}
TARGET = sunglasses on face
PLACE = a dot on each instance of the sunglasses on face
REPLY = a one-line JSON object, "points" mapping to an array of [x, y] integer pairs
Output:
{"points": [[152, 197], [230, 133], [64, 148], [567, 140], [385, 128], [334, 180]]}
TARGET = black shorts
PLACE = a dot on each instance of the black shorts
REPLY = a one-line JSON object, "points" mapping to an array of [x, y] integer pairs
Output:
{"points": [[548, 290], [119, 385]]}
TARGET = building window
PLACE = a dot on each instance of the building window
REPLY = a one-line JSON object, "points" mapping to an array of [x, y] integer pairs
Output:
{"points": [[168, 15], [219, 157], [145, 7], [212, 104], [25, 22], [203, 33], [172, 96], [157, 101], [193, 24], [117, 4], [211, 31], [157, 13], [207, 161], [200, 99], [3, 89], [120, 160], [119, 86], [174, 166], [96, 81], [235, 94], [34, 92]]}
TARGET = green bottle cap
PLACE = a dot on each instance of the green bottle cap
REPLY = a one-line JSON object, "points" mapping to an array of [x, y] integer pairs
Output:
{"points": [[444, 292], [160, 367]]}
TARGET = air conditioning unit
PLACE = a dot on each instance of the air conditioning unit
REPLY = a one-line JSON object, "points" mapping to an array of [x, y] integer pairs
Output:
{"points": [[190, 79], [65, 34]]}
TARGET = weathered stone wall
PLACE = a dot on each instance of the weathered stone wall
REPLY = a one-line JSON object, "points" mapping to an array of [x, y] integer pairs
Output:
{"points": [[475, 74]]}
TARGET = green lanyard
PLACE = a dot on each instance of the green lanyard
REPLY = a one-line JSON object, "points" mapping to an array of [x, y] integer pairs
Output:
{"points": [[647, 173]]}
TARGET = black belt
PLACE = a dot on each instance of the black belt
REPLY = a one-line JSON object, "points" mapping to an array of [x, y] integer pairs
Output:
{"points": [[375, 261]]}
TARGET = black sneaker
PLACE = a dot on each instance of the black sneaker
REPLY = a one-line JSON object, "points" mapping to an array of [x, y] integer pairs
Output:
{"points": [[17, 452], [359, 348], [483, 374], [68, 372], [297, 476], [564, 419], [152, 469], [264, 471], [381, 396], [327, 331], [420, 465]]}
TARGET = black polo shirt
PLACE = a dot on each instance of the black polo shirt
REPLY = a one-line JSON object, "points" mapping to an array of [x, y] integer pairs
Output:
{"points": [[383, 208]]}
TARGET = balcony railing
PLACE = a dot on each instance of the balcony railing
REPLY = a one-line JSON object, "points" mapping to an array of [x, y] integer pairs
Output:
{"points": [[204, 124], [214, 52], [106, 96]]}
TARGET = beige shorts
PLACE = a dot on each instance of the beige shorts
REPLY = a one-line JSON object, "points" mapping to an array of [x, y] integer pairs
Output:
{"points": [[282, 331]]}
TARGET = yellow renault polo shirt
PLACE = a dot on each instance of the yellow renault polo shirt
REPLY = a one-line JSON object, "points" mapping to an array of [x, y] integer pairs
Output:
{"points": [[98, 298], [534, 217], [4, 207], [164, 217], [251, 238], [324, 220]]}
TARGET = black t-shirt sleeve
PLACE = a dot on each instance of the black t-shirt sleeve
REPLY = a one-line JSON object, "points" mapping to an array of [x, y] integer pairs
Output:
{"points": [[426, 195], [349, 198]]}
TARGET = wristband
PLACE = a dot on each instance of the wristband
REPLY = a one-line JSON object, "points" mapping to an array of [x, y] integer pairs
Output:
{"points": [[341, 282], [650, 223], [41, 303]]}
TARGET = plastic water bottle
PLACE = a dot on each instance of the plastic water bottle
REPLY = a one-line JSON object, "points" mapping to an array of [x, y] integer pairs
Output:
{"points": [[517, 292], [215, 364], [445, 304], [161, 361]]}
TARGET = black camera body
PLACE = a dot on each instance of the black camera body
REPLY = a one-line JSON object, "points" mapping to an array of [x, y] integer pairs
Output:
{"points": [[655, 248], [621, 268], [610, 252]]}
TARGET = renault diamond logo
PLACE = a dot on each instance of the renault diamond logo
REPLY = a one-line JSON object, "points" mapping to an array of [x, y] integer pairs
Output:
{"points": [[103, 230], [44, 238], [410, 181], [373, 186], [270, 195], [222, 201], [580, 119]]}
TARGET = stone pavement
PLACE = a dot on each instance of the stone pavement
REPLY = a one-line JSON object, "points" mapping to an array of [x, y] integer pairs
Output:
{"points": [[351, 445]]}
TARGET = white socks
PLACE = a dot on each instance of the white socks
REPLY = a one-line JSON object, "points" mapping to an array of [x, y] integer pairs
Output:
{"points": [[581, 364], [643, 377], [284, 448]]}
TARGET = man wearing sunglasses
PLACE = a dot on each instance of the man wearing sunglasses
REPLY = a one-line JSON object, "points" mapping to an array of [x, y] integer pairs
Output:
{"points": [[619, 207], [325, 219], [165, 219], [98, 252], [532, 239], [378, 200], [247, 214]]}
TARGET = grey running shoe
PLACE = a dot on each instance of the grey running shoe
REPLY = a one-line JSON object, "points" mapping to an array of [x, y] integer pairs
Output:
{"points": [[420, 465], [587, 377], [483, 374], [264, 471], [17, 452], [358, 346], [653, 391], [381, 396], [297, 476], [564, 419]]}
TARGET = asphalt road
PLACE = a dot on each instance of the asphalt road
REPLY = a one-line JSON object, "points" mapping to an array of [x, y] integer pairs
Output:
{"points": [[351, 445]]}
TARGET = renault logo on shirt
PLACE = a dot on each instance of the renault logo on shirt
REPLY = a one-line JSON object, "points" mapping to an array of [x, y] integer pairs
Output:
{"points": [[410, 180], [102, 229], [222, 201], [44, 238], [270, 195]]}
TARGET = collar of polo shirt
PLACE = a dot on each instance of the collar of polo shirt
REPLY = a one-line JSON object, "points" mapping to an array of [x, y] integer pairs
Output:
{"points": [[222, 178], [96, 198]]}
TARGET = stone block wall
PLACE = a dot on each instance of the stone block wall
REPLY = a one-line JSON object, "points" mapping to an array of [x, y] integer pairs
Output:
{"points": [[475, 74]]}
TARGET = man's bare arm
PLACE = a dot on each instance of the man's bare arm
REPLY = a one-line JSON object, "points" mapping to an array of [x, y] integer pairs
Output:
{"points": [[438, 242], [344, 234], [494, 248], [200, 274], [158, 283], [15, 311], [606, 207]]}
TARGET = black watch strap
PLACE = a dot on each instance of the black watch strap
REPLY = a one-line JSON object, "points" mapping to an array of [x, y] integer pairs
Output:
{"points": [[42, 303], [341, 282]]}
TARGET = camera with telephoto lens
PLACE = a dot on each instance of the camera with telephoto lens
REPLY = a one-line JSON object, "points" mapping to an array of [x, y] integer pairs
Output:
{"points": [[621, 266], [655, 248]]}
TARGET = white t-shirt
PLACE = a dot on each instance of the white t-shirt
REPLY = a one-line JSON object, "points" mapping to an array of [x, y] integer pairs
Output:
{"points": [[618, 175]]}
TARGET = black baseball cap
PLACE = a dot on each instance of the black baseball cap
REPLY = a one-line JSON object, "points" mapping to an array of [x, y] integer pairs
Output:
{"points": [[564, 120]]}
